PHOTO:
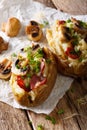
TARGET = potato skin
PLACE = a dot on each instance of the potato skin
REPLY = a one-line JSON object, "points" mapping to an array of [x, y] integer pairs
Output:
{"points": [[41, 92], [63, 64], [65, 69]]}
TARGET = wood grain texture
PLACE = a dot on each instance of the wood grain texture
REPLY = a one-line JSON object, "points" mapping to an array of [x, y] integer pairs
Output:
{"points": [[72, 6], [12, 119]]}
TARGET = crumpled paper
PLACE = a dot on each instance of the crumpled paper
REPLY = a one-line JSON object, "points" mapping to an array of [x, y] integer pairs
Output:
{"points": [[25, 11]]}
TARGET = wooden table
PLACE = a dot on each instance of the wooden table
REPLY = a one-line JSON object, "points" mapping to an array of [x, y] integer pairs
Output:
{"points": [[72, 117]]}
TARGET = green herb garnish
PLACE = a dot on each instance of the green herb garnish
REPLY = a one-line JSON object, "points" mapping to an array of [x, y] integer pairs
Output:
{"points": [[83, 24], [68, 21], [36, 67], [14, 55], [29, 75], [75, 42], [48, 61], [52, 119], [80, 59], [27, 84], [27, 49], [45, 23], [40, 127], [72, 90], [30, 122], [61, 111], [17, 66]]}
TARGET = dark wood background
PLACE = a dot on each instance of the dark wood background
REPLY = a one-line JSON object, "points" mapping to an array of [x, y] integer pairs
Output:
{"points": [[74, 105]]}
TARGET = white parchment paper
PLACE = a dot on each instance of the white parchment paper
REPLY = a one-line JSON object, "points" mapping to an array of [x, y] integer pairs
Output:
{"points": [[27, 10]]}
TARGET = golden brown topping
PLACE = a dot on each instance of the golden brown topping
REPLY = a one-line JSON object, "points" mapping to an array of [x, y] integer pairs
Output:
{"points": [[5, 69], [33, 30]]}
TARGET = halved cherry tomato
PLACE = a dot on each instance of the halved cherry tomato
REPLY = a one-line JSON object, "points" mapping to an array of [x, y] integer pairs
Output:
{"points": [[71, 53], [61, 22], [21, 83]]}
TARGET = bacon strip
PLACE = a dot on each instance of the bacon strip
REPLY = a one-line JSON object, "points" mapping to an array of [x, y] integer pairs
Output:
{"points": [[40, 80]]}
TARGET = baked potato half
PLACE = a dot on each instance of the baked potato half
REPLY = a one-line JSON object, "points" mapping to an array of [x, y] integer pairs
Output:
{"points": [[68, 40], [33, 76]]}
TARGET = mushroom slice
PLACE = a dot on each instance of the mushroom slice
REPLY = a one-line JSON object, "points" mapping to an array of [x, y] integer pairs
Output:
{"points": [[5, 69], [20, 67], [77, 27], [3, 45], [34, 31]]}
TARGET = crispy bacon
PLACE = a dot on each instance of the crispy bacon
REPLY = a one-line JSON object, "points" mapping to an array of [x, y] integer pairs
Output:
{"points": [[40, 80]]}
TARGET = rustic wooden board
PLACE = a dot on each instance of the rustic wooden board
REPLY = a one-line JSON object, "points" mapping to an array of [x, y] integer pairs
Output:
{"points": [[13, 119], [72, 6]]}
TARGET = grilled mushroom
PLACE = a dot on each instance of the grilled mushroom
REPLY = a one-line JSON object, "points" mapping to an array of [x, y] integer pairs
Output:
{"points": [[78, 27], [20, 67], [64, 34], [34, 31], [5, 69]]}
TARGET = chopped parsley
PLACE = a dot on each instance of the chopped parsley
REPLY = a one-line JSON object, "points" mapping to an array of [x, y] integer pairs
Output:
{"points": [[27, 49], [45, 23], [14, 55], [48, 61], [40, 127], [83, 24], [30, 122], [61, 111], [75, 42], [52, 119], [17, 66], [36, 67], [68, 21], [80, 59], [75, 52], [29, 75]]}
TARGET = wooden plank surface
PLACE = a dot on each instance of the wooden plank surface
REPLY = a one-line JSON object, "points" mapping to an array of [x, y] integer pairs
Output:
{"points": [[72, 6], [73, 106], [13, 119]]}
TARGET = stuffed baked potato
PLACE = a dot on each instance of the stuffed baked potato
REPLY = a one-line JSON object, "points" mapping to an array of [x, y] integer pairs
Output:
{"points": [[68, 40], [33, 76]]}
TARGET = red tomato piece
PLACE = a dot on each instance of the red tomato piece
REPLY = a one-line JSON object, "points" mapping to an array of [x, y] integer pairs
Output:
{"points": [[21, 83], [71, 53], [61, 22]]}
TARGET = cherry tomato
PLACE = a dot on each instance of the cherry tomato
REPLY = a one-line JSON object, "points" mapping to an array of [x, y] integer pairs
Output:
{"points": [[71, 53], [61, 22], [21, 83]]}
